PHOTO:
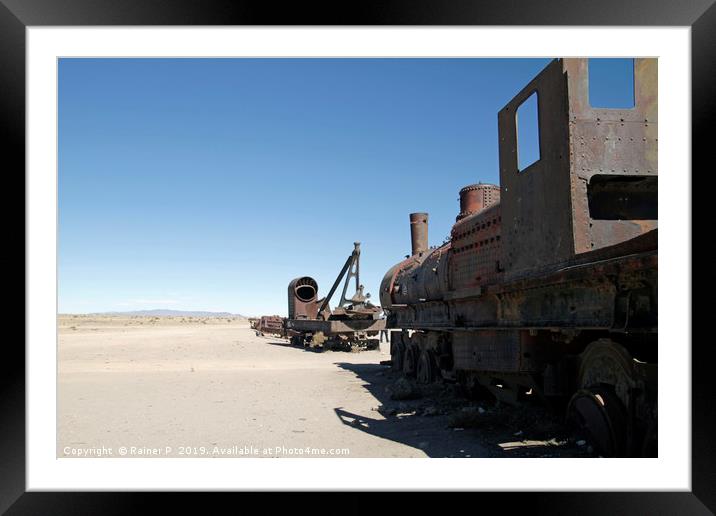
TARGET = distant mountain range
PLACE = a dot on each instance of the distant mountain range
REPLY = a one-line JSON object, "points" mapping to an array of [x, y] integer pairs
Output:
{"points": [[172, 313]]}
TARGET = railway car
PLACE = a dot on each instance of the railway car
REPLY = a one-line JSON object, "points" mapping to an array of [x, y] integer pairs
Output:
{"points": [[354, 324], [547, 286], [270, 325]]}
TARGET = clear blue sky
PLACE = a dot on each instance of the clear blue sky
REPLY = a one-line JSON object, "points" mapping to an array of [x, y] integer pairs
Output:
{"points": [[208, 184]]}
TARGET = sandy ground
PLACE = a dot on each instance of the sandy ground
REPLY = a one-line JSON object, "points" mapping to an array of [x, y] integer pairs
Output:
{"points": [[190, 387]]}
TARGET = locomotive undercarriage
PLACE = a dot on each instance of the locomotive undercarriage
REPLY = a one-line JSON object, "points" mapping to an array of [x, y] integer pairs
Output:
{"points": [[593, 377], [319, 341]]}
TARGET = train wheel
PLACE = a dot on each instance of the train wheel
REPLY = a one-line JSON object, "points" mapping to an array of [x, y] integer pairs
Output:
{"points": [[410, 360], [427, 370], [600, 416], [605, 362], [599, 409], [397, 349]]}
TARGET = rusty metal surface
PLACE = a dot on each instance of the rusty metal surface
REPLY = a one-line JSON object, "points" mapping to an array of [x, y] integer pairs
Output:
{"points": [[332, 327], [611, 143], [546, 207], [535, 203], [387, 284], [476, 250], [582, 295], [418, 233], [357, 304], [271, 324], [472, 258], [310, 316], [303, 298], [474, 198], [422, 277]]}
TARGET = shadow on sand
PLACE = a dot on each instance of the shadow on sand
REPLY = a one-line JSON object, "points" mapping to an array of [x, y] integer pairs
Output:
{"points": [[443, 423], [287, 344]]}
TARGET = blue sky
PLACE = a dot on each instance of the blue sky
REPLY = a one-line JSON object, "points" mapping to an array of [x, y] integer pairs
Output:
{"points": [[208, 184]]}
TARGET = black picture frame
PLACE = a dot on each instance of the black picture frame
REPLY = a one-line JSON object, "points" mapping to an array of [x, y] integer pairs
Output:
{"points": [[16, 15]]}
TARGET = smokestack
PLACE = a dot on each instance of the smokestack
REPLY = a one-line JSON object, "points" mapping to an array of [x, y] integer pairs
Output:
{"points": [[419, 232]]}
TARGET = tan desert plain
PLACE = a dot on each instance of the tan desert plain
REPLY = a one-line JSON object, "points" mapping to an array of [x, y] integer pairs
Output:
{"points": [[142, 386]]}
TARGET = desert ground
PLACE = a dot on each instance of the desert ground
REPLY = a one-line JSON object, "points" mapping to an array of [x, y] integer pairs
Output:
{"points": [[136, 386]]}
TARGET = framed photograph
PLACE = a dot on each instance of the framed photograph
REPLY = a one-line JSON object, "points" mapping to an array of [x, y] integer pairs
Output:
{"points": [[460, 201]]}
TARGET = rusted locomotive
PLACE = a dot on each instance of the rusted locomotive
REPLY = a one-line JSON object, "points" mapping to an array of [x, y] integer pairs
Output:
{"points": [[353, 324], [270, 325], [547, 286]]}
